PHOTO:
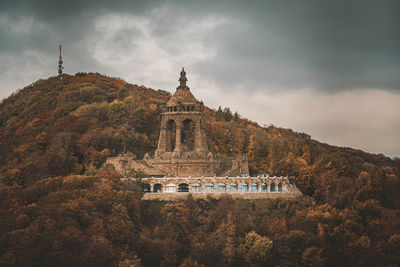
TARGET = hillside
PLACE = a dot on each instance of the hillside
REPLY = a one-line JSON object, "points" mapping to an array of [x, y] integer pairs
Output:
{"points": [[56, 134], [70, 126]]}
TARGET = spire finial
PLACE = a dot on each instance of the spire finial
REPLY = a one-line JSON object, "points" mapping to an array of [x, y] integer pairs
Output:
{"points": [[182, 79], [60, 62]]}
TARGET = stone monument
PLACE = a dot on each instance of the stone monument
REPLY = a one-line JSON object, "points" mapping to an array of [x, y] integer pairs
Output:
{"points": [[182, 146]]}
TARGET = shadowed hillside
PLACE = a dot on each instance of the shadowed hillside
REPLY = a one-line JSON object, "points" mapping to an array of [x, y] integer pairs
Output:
{"points": [[56, 134]]}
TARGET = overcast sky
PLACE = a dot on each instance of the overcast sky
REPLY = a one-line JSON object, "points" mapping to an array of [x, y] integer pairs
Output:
{"points": [[330, 69]]}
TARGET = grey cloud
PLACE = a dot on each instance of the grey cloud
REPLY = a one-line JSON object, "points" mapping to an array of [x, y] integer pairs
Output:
{"points": [[330, 45], [333, 45]]}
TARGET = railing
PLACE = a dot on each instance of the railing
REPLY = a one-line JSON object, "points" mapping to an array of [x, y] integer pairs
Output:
{"points": [[205, 191]]}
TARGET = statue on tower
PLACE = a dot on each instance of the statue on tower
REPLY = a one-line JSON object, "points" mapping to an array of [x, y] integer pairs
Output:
{"points": [[60, 62], [182, 79]]}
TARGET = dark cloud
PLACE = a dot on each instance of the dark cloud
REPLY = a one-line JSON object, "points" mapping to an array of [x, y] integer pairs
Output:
{"points": [[330, 45]]}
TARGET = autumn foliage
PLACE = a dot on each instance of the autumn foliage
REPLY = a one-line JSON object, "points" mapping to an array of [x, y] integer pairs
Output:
{"points": [[60, 205]]}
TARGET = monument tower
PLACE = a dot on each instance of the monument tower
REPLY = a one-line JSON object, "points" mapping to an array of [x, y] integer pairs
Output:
{"points": [[182, 133], [182, 145], [182, 162]]}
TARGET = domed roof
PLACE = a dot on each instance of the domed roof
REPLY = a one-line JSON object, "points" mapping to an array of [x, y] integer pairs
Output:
{"points": [[182, 94]]}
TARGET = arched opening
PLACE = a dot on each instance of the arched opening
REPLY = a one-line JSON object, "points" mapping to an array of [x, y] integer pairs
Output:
{"points": [[272, 187], [196, 188], [208, 187], [280, 187], [183, 187], [233, 187], [254, 187], [244, 187], [221, 187], [157, 188], [171, 135], [146, 188], [187, 135], [264, 187], [170, 188]]}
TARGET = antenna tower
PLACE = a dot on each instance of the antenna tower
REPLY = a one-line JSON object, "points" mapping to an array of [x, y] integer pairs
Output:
{"points": [[60, 62]]}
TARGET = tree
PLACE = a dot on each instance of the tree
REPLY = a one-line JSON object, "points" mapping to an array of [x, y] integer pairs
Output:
{"points": [[291, 247], [257, 249], [225, 238], [312, 257], [119, 226]]}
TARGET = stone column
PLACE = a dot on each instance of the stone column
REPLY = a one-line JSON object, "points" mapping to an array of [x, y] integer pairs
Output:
{"points": [[197, 136], [200, 138], [178, 145], [151, 188], [204, 146], [162, 140]]}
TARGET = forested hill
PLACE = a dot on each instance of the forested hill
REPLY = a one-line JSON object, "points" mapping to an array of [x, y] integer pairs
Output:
{"points": [[71, 125], [56, 134]]}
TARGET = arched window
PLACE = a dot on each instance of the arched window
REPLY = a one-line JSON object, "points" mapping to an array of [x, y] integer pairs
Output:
{"points": [[264, 187], [157, 188], [187, 135], [280, 187], [272, 187], [196, 188], [244, 187], [208, 187], [254, 187], [170, 188], [183, 187], [146, 188], [233, 187], [171, 135], [221, 187]]}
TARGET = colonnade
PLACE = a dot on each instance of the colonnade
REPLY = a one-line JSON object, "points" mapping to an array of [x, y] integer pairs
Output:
{"points": [[221, 185]]}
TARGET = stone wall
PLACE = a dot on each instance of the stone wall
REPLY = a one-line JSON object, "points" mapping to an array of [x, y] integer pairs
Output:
{"points": [[247, 195], [267, 180], [187, 166], [124, 163], [184, 166], [173, 188]]}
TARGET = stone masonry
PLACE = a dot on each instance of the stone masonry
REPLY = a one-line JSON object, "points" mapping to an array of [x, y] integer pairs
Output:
{"points": [[182, 163], [200, 187], [182, 146]]}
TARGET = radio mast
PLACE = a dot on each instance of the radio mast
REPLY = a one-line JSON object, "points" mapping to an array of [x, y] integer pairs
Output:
{"points": [[60, 62]]}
